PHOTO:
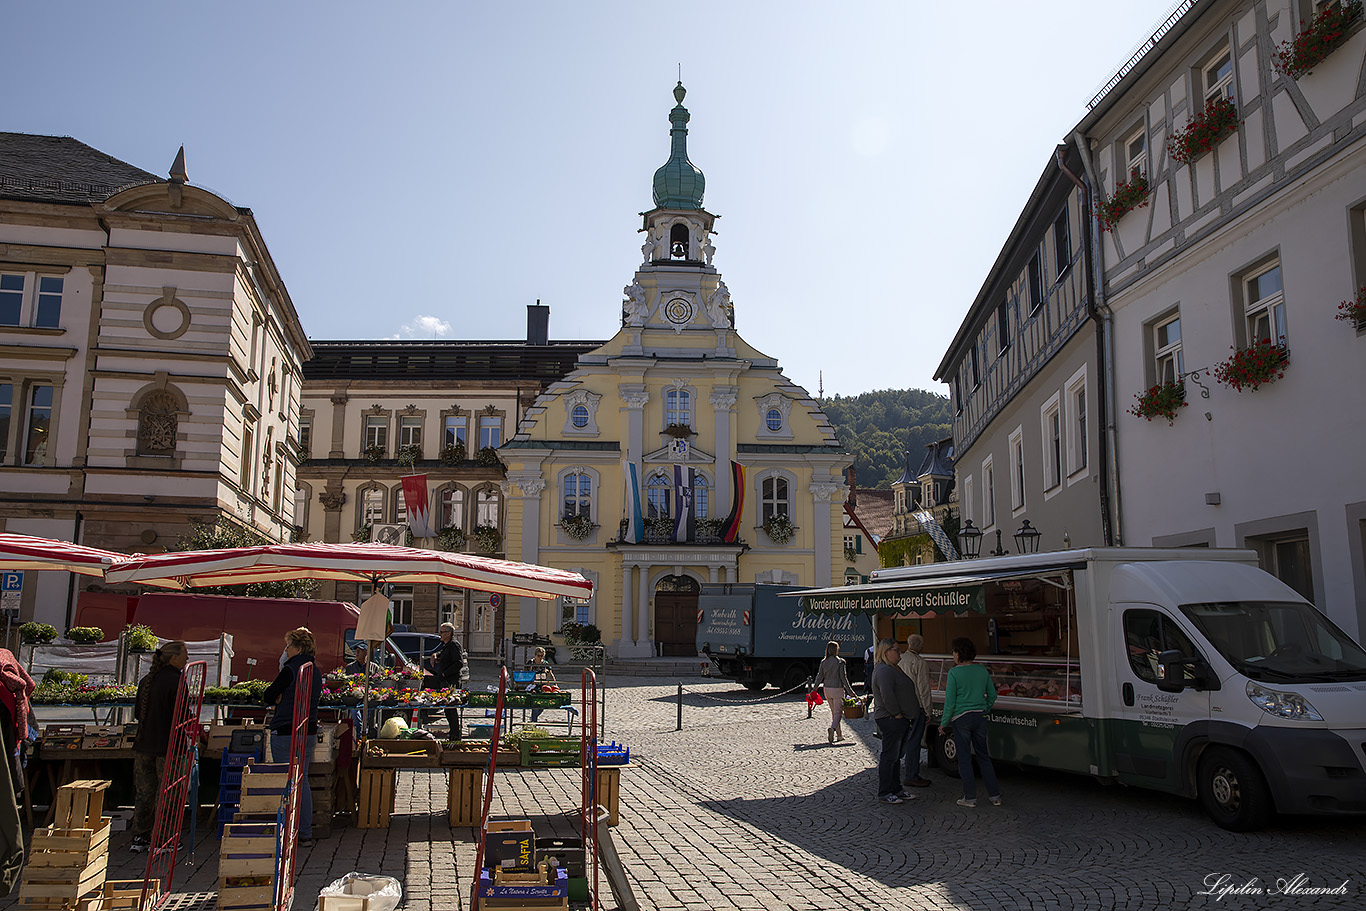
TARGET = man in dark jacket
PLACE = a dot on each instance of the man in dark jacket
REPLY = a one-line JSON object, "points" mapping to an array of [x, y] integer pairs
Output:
{"points": [[895, 705], [300, 650], [154, 711], [449, 669]]}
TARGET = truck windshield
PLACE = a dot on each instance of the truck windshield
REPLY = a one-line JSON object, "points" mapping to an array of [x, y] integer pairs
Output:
{"points": [[1279, 641]]}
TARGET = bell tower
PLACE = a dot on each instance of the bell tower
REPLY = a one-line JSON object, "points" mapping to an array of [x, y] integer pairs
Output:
{"points": [[676, 286]]}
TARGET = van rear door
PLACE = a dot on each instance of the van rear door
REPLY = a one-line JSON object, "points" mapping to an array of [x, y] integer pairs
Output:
{"points": [[1147, 722]]}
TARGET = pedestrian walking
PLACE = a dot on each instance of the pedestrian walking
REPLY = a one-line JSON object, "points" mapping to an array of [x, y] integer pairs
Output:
{"points": [[540, 667], [154, 711], [833, 675], [450, 669], [894, 696], [968, 695], [300, 651], [915, 667]]}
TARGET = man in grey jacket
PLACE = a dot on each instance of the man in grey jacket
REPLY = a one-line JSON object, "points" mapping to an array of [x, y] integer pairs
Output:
{"points": [[895, 707]]}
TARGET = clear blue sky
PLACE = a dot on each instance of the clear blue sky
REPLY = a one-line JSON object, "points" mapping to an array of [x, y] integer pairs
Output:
{"points": [[431, 168]]}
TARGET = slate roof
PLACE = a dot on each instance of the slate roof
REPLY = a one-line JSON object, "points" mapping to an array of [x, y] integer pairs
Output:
{"points": [[63, 170], [448, 359], [938, 459]]}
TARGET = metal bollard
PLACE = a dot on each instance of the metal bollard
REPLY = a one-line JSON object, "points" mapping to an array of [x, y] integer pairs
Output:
{"points": [[680, 708]]}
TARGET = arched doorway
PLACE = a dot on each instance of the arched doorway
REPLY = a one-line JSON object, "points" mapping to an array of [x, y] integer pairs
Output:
{"points": [[676, 615]]}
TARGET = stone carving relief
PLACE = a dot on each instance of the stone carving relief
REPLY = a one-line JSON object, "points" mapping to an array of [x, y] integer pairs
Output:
{"points": [[633, 396], [332, 499]]}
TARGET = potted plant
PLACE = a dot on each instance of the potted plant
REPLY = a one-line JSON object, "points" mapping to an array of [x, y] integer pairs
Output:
{"points": [[85, 635], [678, 430], [450, 539], [362, 535], [1217, 120], [1257, 364], [487, 538], [578, 526], [453, 454], [779, 529], [1316, 40], [373, 453], [850, 554], [408, 455], [1161, 401], [659, 529], [708, 531], [1354, 311], [140, 638], [1129, 195], [582, 639], [487, 458], [32, 633]]}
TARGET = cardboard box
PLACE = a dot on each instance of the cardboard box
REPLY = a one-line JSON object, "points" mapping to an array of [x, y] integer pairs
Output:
{"points": [[513, 851]]}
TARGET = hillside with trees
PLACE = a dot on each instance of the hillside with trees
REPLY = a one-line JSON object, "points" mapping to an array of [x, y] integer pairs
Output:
{"points": [[879, 427]]}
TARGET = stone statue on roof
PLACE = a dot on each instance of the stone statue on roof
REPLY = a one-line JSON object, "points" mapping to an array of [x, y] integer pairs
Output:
{"points": [[719, 310], [634, 309]]}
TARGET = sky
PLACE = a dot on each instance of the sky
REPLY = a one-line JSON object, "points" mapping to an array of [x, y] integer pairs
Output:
{"points": [[425, 170]]}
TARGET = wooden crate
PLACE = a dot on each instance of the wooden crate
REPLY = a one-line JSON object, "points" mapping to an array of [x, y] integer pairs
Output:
{"points": [[80, 804], [263, 788], [376, 799], [465, 799], [246, 865], [65, 864], [609, 791], [238, 892], [123, 895], [400, 754]]}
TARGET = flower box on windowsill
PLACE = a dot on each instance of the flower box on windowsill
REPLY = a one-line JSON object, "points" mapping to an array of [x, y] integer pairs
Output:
{"points": [[578, 527], [1165, 400], [1256, 365], [1354, 311], [1206, 130], [1130, 195], [1320, 37]]}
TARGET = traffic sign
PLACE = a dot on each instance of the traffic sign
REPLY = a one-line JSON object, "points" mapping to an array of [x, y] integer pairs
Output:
{"points": [[11, 590]]}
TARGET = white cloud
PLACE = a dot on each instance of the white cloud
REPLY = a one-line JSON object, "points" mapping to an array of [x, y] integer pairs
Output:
{"points": [[424, 327]]}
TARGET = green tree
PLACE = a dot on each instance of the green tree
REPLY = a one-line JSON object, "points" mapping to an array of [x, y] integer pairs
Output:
{"points": [[879, 427], [224, 534]]}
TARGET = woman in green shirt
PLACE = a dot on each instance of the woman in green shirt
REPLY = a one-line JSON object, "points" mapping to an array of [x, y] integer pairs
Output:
{"points": [[967, 697]]}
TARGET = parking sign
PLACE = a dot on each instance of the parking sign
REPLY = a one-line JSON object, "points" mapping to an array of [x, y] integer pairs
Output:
{"points": [[11, 588]]}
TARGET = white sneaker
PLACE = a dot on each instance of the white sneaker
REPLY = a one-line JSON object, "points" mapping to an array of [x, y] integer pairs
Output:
{"points": [[965, 802], [995, 801]]}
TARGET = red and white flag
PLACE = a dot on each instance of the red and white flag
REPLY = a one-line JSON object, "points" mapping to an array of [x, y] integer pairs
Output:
{"points": [[417, 506]]}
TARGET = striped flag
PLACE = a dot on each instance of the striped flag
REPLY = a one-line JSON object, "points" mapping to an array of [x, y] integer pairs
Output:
{"points": [[737, 501], [683, 507], [940, 537], [635, 522], [416, 505]]}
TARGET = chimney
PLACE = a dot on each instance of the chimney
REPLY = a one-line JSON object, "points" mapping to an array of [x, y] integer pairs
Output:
{"points": [[852, 499], [537, 324]]}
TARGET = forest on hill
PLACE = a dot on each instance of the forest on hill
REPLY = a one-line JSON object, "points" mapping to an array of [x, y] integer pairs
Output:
{"points": [[879, 427]]}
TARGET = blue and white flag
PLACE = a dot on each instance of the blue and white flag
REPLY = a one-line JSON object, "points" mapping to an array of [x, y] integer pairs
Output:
{"points": [[927, 522], [683, 511], [635, 522]]}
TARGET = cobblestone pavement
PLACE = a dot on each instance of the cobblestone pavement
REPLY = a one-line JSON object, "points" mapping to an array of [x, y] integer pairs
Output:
{"points": [[748, 807]]}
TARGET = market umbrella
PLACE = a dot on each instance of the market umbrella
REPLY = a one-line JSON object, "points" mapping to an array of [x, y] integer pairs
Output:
{"points": [[374, 563], [21, 552]]}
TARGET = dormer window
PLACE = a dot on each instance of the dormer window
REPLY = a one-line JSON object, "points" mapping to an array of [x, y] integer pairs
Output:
{"points": [[678, 242]]}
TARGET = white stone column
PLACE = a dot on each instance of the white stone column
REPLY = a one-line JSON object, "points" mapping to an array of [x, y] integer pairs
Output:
{"points": [[643, 644], [821, 494], [626, 618], [713, 573]]}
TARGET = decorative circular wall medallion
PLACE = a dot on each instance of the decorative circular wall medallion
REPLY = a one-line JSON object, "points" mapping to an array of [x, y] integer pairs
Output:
{"points": [[678, 311], [167, 317]]}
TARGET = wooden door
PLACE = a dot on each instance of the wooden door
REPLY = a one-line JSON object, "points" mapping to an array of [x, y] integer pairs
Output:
{"points": [[676, 623]]}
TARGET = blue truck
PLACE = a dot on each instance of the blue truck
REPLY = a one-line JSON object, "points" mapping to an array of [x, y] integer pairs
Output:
{"points": [[755, 638]]}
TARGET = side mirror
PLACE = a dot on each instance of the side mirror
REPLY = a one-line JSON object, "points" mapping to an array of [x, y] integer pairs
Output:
{"points": [[1171, 671]]}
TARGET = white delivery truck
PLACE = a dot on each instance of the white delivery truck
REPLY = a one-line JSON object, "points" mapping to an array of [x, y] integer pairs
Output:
{"points": [[1190, 671]]}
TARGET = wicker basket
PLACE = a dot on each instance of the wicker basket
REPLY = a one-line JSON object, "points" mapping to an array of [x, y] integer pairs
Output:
{"points": [[854, 711]]}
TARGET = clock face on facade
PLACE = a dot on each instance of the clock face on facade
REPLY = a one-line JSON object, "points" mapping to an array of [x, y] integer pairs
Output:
{"points": [[678, 311]]}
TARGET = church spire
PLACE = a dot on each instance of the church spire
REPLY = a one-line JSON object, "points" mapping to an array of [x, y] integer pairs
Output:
{"points": [[679, 184]]}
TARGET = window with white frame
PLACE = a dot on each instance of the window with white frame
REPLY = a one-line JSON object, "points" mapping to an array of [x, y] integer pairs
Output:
{"points": [[490, 432], [967, 498], [372, 506], [1217, 76], [410, 431], [6, 416], [39, 425], [401, 604], [1051, 427], [30, 299], [453, 508], [658, 489], [1168, 361], [1135, 154], [678, 407], [988, 493], [306, 435], [774, 498], [486, 507], [578, 495], [1062, 241], [701, 495], [400, 506], [976, 372], [1265, 305], [248, 460], [376, 431], [1017, 469], [301, 506], [453, 428], [1035, 283], [1078, 443], [1003, 325], [957, 396], [579, 416], [773, 420]]}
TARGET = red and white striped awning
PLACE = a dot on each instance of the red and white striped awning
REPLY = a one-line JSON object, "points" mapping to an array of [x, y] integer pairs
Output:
{"points": [[23, 552], [374, 563]]}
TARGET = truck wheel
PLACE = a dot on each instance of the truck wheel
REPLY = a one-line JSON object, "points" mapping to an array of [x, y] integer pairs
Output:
{"points": [[1233, 790], [756, 685], [794, 676], [945, 754]]}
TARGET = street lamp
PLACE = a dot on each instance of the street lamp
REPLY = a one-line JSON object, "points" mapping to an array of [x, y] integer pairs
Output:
{"points": [[999, 551], [1027, 539], [970, 541]]}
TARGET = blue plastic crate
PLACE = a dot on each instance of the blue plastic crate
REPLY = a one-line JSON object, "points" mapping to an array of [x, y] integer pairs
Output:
{"points": [[236, 760]]}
